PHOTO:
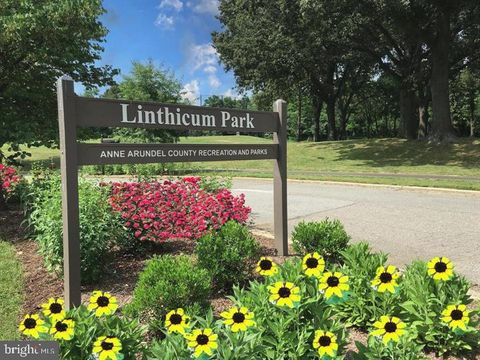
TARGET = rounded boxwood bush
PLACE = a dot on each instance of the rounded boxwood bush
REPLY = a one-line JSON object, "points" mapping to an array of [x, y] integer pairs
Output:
{"points": [[327, 237], [229, 254], [169, 282]]}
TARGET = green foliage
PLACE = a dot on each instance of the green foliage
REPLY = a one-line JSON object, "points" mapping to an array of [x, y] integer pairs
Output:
{"points": [[67, 40], [99, 226], [279, 333], [169, 282], [146, 82], [405, 349], [88, 328], [11, 290], [214, 183], [365, 305], [229, 254], [423, 299], [327, 237]]}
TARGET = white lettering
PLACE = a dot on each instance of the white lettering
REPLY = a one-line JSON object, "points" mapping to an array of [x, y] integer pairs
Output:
{"points": [[125, 114]]}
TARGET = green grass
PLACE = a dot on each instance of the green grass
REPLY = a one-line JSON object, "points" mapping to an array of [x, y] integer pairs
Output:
{"points": [[10, 292], [379, 161]]}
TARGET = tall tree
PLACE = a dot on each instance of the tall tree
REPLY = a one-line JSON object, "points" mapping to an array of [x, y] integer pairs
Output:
{"points": [[147, 82], [41, 40]]}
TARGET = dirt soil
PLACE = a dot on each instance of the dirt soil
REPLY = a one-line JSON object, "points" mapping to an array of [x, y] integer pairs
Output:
{"points": [[122, 274]]}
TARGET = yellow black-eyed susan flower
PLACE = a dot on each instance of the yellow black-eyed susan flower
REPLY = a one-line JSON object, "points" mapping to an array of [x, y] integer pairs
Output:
{"points": [[313, 264], [103, 303], [333, 284], [440, 268], [456, 316], [386, 279], [266, 267], [176, 321], [238, 318], [325, 343], [107, 348], [202, 341], [32, 326], [284, 294], [63, 329], [54, 309], [390, 328]]}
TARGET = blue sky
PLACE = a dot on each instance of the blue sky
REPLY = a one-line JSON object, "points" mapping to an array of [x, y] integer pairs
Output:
{"points": [[175, 34]]}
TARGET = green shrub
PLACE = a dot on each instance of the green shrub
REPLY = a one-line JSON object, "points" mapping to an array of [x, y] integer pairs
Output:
{"points": [[169, 282], [228, 254], [214, 183], [99, 226], [327, 237]]}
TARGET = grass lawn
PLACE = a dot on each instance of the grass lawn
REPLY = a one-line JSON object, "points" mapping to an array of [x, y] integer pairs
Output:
{"points": [[379, 161], [10, 292]]}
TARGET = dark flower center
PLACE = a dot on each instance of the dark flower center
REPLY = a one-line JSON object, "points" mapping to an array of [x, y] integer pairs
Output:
{"points": [[175, 319], [390, 327], [55, 308], [265, 264], [238, 317], [202, 339], [284, 292], [312, 263], [456, 314], [103, 301], [333, 281], [30, 323], [107, 345], [386, 277], [324, 341], [61, 326], [440, 267]]}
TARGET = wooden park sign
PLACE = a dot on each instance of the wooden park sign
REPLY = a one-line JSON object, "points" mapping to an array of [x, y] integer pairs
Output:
{"points": [[76, 111]]}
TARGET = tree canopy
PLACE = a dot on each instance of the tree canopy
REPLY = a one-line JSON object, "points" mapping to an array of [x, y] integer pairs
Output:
{"points": [[40, 40]]}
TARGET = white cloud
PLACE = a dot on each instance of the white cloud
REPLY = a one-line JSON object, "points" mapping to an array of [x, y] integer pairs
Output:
{"points": [[191, 91], [204, 6], [164, 21], [214, 81], [202, 56], [231, 94], [177, 5], [210, 69]]}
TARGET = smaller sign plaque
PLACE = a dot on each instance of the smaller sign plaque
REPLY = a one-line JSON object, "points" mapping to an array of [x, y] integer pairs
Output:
{"points": [[90, 154]]}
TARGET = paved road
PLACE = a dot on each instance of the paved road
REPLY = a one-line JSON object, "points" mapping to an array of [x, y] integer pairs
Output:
{"points": [[408, 224]]}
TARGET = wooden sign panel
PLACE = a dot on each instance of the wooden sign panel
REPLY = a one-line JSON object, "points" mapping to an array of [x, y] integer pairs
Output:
{"points": [[91, 154], [75, 111], [124, 113]]}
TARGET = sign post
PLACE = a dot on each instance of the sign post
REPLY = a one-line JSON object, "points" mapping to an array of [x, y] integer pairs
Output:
{"points": [[75, 111]]}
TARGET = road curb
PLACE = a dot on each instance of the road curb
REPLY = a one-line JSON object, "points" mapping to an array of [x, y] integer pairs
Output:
{"points": [[398, 187]]}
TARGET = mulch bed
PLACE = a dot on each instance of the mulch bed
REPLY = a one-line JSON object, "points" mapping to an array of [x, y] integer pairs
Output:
{"points": [[122, 275]]}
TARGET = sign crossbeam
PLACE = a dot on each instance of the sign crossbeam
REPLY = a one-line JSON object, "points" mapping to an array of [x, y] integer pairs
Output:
{"points": [[75, 111], [93, 154], [150, 115]]}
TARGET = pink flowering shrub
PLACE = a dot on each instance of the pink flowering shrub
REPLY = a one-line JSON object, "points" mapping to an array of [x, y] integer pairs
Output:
{"points": [[8, 178], [158, 211]]}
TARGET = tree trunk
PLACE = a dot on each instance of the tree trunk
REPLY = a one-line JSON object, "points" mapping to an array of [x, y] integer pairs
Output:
{"points": [[332, 130], [408, 116], [441, 124], [472, 114], [316, 120], [299, 116]]}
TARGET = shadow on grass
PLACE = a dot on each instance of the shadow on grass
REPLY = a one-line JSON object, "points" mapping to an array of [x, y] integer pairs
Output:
{"points": [[400, 152]]}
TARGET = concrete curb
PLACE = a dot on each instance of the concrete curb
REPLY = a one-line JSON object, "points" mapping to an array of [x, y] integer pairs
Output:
{"points": [[398, 187]]}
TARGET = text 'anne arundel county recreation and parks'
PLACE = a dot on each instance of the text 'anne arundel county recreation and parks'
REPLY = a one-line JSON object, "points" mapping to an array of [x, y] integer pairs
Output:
{"points": [[179, 117]]}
